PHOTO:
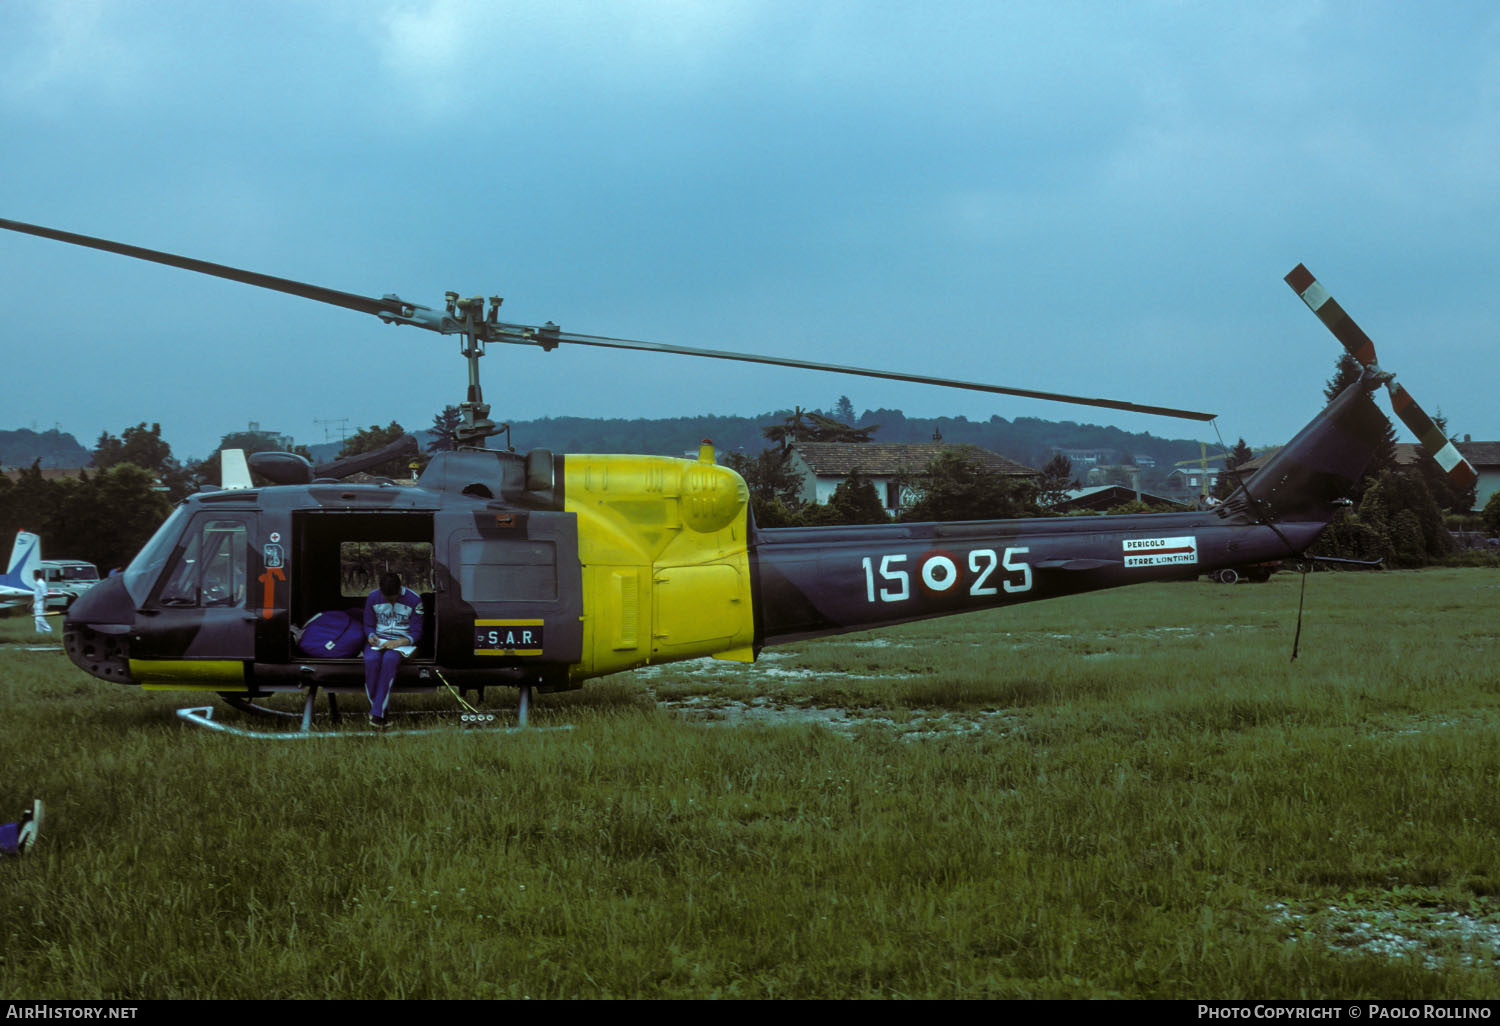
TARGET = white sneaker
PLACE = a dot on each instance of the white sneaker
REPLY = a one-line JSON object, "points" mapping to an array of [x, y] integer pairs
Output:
{"points": [[31, 827]]}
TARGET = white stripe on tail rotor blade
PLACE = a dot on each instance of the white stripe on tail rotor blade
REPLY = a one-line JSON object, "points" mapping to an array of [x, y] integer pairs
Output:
{"points": [[1315, 296], [1448, 457]]}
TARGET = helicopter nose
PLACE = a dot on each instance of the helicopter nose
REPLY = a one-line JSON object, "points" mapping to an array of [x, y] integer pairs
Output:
{"points": [[104, 655], [96, 631]]}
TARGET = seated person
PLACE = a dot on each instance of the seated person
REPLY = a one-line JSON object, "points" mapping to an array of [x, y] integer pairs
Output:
{"points": [[393, 626]]}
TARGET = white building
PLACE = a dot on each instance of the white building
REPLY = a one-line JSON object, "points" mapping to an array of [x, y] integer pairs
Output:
{"points": [[823, 466]]}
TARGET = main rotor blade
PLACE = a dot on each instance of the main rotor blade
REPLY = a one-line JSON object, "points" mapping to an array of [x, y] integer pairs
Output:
{"points": [[392, 308], [606, 342], [348, 300]]}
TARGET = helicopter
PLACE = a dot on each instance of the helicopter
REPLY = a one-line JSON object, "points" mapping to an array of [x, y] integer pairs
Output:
{"points": [[544, 570]]}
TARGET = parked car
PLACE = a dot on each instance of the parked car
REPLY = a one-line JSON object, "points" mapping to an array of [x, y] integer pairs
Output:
{"points": [[67, 579]]}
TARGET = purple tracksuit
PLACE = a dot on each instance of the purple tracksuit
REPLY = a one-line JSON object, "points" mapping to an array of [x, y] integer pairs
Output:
{"points": [[10, 838], [388, 620]]}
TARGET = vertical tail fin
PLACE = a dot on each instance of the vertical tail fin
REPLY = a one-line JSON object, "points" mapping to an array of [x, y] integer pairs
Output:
{"points": [[25, 558], [1320, 465], [234, 469]]}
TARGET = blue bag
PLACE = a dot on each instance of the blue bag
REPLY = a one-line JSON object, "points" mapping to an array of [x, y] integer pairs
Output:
{"points": [[332, 635]]}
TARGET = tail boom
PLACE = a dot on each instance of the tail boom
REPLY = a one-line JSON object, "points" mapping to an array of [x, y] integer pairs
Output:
{"points": [[809, 582], [812, 582]]}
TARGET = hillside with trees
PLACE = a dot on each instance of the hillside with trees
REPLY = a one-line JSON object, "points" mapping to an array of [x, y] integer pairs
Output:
{"points": [[105, 514], [23, 447], [1027, 440]]}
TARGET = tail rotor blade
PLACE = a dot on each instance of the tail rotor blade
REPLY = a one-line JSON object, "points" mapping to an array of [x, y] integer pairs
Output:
{"points": [[1336, 320], [1431, 436], [1332, 315]]}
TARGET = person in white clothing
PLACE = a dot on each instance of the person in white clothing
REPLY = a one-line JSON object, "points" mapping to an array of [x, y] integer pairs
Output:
{"points": [[39, 602]]}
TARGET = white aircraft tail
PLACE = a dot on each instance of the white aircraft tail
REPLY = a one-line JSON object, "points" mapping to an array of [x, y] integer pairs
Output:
{"points": [[25, 558]]}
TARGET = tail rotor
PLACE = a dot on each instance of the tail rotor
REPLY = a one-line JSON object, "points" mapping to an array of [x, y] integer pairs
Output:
{"points": [[1359, 346]]}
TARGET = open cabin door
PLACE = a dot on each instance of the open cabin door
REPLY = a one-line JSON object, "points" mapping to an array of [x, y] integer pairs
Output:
{"points": [[341, 556]]}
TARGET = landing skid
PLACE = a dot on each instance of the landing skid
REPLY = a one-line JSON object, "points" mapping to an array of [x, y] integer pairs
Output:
{"points": [[244, 705], [202, 716]]}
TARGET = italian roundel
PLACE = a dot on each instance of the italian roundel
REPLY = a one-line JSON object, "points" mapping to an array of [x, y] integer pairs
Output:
{"points": [[939, 571]]}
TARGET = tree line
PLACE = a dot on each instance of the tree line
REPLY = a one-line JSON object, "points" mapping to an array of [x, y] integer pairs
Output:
{"points": [[105, 515], [954, 486], [108, 512]]}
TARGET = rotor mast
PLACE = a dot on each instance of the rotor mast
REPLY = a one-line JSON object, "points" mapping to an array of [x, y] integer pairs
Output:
{"points": [[476, 425]]}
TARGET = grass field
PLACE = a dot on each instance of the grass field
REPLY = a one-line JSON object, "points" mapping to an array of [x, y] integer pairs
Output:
{"points": [[1133, 793]]}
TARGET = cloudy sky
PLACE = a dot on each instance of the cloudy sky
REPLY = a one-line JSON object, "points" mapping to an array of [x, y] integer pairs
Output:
{"points": [[1096, 198]]}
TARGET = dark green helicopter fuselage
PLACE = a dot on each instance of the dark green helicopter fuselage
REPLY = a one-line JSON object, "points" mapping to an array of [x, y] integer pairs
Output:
{"points": [[606, 563]]}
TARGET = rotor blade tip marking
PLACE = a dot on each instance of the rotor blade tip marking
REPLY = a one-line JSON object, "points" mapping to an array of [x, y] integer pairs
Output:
{"points": [[1448, 457]]}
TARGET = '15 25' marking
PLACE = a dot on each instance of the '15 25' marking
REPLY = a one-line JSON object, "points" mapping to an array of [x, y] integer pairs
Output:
{"points": [[939, 572]]}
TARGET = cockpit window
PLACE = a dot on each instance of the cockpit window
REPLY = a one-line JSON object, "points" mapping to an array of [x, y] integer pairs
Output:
{"points": [[144, 569], [212, 569]]}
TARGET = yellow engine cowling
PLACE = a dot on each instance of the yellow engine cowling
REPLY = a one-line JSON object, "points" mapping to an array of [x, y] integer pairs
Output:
{"points": [[666, 569]]}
